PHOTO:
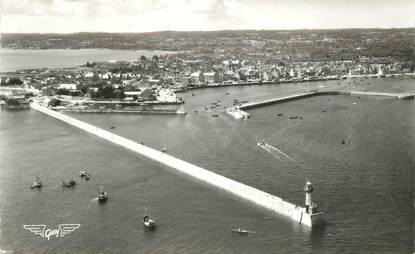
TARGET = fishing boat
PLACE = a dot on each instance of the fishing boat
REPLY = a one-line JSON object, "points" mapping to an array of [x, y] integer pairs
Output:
{"points": [[36, 184], [148, 222], [102, 197], [241, 231], [68, 183], [262, 143]]}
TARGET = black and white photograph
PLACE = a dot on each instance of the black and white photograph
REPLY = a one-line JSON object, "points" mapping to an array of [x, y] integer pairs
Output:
{"points": [[207, 126]]}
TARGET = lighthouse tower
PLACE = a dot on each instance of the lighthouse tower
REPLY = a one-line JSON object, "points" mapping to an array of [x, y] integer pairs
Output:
{"points": [[308, 188]]}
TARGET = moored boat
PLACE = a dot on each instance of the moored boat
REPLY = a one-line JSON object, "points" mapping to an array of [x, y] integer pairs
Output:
{"points": [[36, 184], [68, 183], [102, 197], [149, 223]]}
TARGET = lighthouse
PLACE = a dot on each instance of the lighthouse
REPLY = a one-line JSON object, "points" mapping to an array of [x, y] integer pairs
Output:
{"points": [[308, 188]]}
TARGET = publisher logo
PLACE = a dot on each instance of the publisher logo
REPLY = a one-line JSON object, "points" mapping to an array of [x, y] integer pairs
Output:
{"points": [[60, 231]]}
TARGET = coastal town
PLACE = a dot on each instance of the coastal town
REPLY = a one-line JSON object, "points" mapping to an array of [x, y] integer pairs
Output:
{"points": [[150, 82]]}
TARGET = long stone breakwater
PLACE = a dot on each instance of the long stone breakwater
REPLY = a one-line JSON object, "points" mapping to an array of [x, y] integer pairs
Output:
{"points": [[256, 104], [241, 190]]}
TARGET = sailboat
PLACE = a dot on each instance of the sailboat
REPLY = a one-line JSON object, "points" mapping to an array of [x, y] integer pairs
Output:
{"points": [[102, 196], [148, 222]]}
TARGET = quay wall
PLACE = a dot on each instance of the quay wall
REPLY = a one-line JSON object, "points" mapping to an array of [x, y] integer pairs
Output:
{"points": [[124, 111], [252, 105], [241, 190]]}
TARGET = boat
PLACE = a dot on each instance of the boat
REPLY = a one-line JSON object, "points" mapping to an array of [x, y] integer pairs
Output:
{"points": [[69, 183], [343, 142], [215, 115], [36, 184], [241, 231], [148, 222], [102, 197], [262, 143], [87, 176], [164, 149], [82, 173], [112, 127]]}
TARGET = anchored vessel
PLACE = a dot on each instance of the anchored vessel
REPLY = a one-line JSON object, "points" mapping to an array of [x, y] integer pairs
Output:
{"points": [[102, 197]]}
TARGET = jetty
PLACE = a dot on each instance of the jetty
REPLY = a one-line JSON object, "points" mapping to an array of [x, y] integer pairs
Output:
{"points": [[256, 104], [308, 215]]}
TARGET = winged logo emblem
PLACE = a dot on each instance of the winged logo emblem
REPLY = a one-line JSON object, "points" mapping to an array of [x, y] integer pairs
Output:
{"points": [[62, 230], [37, 229], [68, 228]]}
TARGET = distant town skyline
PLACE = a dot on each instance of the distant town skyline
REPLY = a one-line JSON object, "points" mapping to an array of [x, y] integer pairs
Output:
{"points": [[68, 16]]}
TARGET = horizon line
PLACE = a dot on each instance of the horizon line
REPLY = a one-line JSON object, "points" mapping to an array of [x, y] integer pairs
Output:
{"points": [[219, 30]]}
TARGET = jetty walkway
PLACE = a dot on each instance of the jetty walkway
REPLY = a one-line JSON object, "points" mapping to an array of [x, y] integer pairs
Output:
{"points": [[241, 190], [256, 104]]}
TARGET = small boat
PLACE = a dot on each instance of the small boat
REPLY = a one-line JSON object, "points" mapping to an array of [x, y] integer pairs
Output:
{"points": [[36, 184], [112, 127], [343, 142], [279, 114], [293, 117], [82, 173], [87, 176], [102, 197], [241, 231], [148, 222], [215, 115], [69, 183], [164, 149], [262, 143]]}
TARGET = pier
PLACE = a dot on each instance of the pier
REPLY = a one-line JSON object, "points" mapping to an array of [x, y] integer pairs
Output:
{"points": [[258, 197], [256, 104]]}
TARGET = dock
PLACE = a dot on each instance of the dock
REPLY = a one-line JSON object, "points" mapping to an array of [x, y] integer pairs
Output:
{"points": [[125, 111], [256, 104], [243, 191]]}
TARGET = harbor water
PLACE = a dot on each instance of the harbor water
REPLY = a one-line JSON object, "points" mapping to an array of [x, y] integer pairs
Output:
{"points": [[365, 186], [16, 59]]}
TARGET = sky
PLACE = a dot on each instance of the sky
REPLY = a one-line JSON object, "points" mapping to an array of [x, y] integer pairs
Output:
{"points": [[68, 16]]}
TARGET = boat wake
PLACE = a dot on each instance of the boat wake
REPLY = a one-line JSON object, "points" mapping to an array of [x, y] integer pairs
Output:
{"points": [[94, 200], [274, 151]]}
